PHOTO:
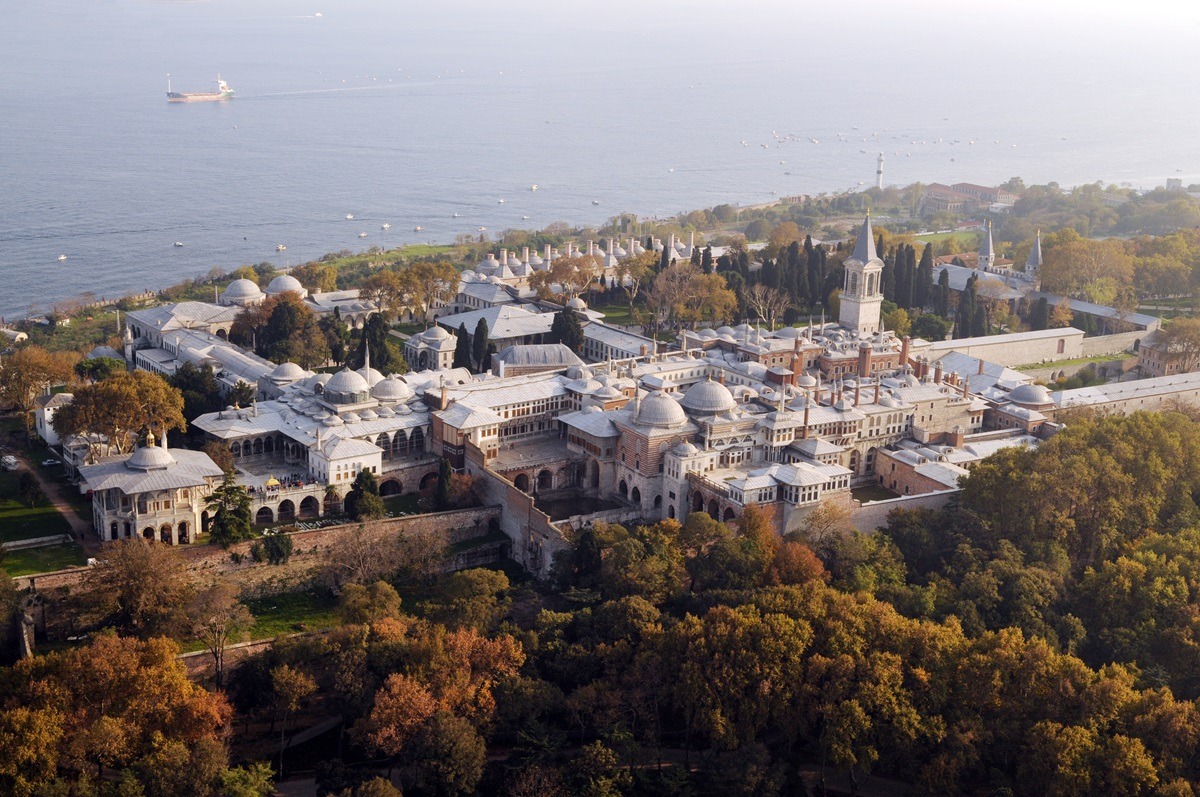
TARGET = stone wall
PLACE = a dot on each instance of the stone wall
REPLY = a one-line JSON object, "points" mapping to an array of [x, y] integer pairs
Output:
{"points": [[211, 561], [872, 515], [1112, 344], [1018, 348]]}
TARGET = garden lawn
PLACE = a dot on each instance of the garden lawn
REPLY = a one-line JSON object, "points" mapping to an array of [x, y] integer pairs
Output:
{"points": [[43, 560], [18, 521], [291, 613]]}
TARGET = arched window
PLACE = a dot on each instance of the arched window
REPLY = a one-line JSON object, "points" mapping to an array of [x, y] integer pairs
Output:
{"points": [[853, 282], [416, 441], [636, 496]]}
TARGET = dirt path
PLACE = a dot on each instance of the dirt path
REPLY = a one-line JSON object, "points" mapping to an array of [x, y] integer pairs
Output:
{"points": [[81, 531]]}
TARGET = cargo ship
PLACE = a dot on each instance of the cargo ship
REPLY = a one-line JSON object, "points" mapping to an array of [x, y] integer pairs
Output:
{"points": [[223, 92]]}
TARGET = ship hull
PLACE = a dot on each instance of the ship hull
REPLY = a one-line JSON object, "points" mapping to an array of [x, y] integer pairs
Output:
{"points": [[178, 97]]}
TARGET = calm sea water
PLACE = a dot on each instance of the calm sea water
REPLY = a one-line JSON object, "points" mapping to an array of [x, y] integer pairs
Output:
{"points": [[409, 113]]}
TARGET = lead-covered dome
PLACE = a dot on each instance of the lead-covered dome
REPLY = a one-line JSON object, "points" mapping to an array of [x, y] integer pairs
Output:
{"points": [[391, 389], [284, 283], [150, 458], [660, 411], [286, 372], [708, 398], [242, 289], [1030, 395]]}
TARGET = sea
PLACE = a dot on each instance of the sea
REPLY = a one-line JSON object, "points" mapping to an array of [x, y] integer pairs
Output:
{"points": [[443, 115]]}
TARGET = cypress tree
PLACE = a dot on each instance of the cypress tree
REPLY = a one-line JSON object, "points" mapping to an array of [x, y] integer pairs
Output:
{"points": [[1039, 317], [942, 307], [567, 330], [695, 256], [706, 260], [479, 344], [923, 292], [462, 349]]}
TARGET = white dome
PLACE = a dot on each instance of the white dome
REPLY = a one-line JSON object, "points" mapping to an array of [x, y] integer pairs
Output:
{"points": [[661, 411], [607, 392], [242, 289], [806, 380], [287, 372], [372, 376], [1030, 394], [707, 333], [391, 389], [150, 458], [346, 381], [708, 397], [686, 449], [787, 332], [285, 282], [351, 417], [577, 304], [724, 331], [435, 333]]}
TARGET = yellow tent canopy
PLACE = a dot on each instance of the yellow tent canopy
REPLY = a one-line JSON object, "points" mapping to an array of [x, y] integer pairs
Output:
{"points": [[271, 482]]}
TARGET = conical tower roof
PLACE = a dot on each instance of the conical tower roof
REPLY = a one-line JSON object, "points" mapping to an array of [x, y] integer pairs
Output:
{"points": [[1034, 261], [986, 250], [864, 248]]}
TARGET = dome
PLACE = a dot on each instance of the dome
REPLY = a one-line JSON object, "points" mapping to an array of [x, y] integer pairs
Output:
{"points": [[391, 389], [332, 420], [368, 415], [708, 333], [286, 372], [346, 381], [585, 385], [436, 333], [607, 392], [806, 380], [724, 331], [579, 372], [150, 458], [708, 397], [385, 412], [661, 411], [285, 282], [242, 289], [787, 332], [1030, 394], [685, 449], [372, 376], [577, 304], [351, 417]]}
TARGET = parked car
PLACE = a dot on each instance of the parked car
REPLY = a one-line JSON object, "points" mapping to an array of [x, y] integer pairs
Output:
{"points": [[48, 462], [9, 462]]}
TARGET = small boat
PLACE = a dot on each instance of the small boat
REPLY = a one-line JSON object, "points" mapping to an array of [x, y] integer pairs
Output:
{"points": [[533, 187], [418, 228], [385, 226], [499, 201], [179, 243], [280, 247], [483, 229], [362, 235], [595, 201], [457, 215], [61, 258], [524, 218], [349, 217]]}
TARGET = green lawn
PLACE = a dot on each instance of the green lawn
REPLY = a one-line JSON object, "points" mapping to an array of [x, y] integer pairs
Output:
{"points": [[292, 613], [402, 504], [43, 560], [1100, 358], [615, 314], [872, 492], [18, 521], [963, 236]]}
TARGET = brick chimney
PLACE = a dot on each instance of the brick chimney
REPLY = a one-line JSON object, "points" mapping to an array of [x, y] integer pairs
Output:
{"points": [[956, 437], [864, 360], [937, 372], [904, 343]]}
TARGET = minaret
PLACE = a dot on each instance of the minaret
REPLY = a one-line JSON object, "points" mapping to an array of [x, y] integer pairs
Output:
{"points": [[987, 253], [879, 173], [1033, 263], [862, 295]]}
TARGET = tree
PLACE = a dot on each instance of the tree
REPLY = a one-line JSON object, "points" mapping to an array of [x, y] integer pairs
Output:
{"points": [[27, 373], [359, 605], [230, 505], [429, 284], [401, 707], [119, 410], [364, 484], [137, 587], [199, 387], [567, 329], [766, 303], [216, 617], [1061, 316], [444, 486], [278, 547], [462, 349], [369, 506], [316, 277], [220, 454], [1180, 339], [387, 290], [898, 321], [30, 489], [450, 756], [253, 780], [242, 394], [633, 272], [930, 327], [96, 369], [479, 344], [290, 687]]}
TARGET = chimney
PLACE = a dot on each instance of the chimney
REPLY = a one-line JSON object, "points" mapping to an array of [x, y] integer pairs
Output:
{"points": [[857, 390], [937, 372], [721, 377], [445, 395], [591, 248], [864, 360], [504, 257], [645, 350], [980, 366], [546, 258], [904, 343], [807, 404], [877, 386], [956, 437], [966, 383], [692, 240], [525, 255], [612, 247], [671, 254]]}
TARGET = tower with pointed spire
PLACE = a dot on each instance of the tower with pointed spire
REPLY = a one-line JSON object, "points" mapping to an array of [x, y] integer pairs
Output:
{"points": [[987, 252], [879, 173], [1033, 263], [862, 292]]}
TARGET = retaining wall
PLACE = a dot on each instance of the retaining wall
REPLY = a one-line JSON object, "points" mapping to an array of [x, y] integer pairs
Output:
{"points": [[872, 515]]}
